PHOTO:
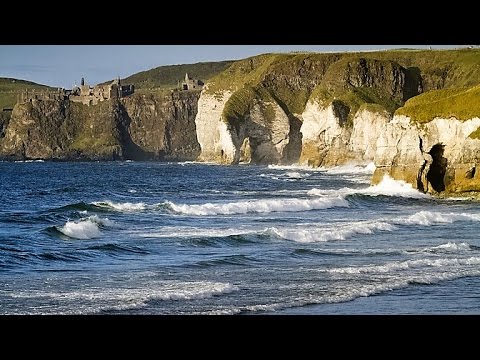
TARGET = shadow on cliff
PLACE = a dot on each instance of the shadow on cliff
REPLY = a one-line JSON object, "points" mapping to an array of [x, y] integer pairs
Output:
{"points": [[131, 151], [292, 151]]}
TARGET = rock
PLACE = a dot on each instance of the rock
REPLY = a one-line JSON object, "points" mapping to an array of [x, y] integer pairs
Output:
{"points": [[213, 133], [137, 127], [163, 127], [329, 141], [435, 157], [265, 125]]}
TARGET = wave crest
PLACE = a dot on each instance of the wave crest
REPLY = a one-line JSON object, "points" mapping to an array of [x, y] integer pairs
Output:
{"points": [[87, 228], [258, 206]]}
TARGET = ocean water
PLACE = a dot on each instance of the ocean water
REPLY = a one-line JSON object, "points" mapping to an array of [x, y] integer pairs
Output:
{"points": [[189, 238]]}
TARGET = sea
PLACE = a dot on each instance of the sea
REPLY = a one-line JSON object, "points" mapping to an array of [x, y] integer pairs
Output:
{"points": [[196, 238]]}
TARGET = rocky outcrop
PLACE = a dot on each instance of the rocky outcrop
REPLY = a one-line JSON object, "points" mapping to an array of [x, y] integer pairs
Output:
{"points": [[163, 127], [367, 125], [213, 133], [436, 157], [138, 127], [261, 137], [328, 139]]}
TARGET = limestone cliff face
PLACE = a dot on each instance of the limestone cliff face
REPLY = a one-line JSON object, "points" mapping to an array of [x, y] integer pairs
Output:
{"points": [[328, 140], [261, 137], [435, 157], [268, 137], [367, 125], [213, 134], [138, 127]]}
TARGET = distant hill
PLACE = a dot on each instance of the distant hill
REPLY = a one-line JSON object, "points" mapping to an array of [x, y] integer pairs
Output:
{"points": [[9, 88], [168, 76]]}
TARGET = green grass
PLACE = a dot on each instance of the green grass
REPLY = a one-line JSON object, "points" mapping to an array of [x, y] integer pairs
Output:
{"points": [[355, 99], [459, 67], [10, 88], [247, 72], [238, 106], [475, 134], [460, 103], [292, 79], [167, 77]]}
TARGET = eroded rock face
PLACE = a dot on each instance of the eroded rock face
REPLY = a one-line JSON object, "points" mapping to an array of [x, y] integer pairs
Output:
{"points": [[435, 157], [329, 141], [137, 127], [213, 133], [261, 137], [163, 127], [267, 137]]}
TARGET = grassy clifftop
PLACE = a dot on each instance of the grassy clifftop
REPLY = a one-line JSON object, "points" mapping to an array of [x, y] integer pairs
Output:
{"points": [[168, 76], [460, 103], [381, 80], [10, 88]]}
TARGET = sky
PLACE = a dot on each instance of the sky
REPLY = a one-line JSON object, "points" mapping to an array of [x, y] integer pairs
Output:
{"points": [[65, 65]]}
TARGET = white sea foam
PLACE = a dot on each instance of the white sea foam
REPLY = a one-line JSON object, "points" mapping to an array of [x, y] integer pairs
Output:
{"points": [[183, 163], [313, 232], [329, 192], [428, 218], [271, 176], [450, 247], [188, 232], [294, 167], [386, 277], [342, 169], [127, 206], [97, 299], [29, 161], [387, 187], [87, 228], [350, 169], [289, 175], [391, 187], [296, 175], [330, 232], [258, 206], [396, 266]]}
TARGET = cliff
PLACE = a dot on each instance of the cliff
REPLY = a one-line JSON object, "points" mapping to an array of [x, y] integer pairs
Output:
{"points": [[432, 142], [319, 109], [150, 126], [415, 114], [331, 109]]}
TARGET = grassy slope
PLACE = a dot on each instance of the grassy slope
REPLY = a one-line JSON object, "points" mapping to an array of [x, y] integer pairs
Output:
{"points": [[461, 103], [168, 76], [261, 77], [438, 68], [9, 88]]}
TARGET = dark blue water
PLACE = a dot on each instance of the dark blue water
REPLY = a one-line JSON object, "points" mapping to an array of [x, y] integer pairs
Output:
{"points": [[156, 238]]}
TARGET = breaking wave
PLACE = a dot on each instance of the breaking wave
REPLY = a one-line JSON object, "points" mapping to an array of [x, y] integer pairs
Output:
{"points": [[387, 187], [87, 228], [258, 206], [107, 299]]}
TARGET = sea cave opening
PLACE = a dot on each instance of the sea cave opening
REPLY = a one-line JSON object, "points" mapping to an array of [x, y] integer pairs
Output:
{"points": [[438, 168]]}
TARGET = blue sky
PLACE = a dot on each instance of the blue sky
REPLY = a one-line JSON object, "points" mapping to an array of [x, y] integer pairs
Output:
{"points": [[65, 65]]}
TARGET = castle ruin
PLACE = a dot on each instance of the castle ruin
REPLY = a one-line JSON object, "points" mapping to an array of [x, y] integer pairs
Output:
{"points": [[84, 94], [192, 84]]}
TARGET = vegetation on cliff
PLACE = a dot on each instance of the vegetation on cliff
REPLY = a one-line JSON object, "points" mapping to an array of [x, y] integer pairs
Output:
{"points": [[10, 88], [459, 103], [168, 76], [382, 81]]}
